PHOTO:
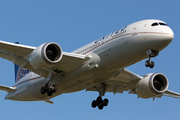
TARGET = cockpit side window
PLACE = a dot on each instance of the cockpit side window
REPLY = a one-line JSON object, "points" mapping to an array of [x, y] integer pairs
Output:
{"points": [[155, 24], [163, 24]]}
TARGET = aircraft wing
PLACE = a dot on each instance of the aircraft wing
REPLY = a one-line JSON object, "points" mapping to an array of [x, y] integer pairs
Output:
{"points": [[170, 93], [126, 81], [17, 54], [7, 89]]}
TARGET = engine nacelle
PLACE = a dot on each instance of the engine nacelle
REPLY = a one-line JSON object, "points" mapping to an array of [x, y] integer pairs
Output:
{"points": [[152, 85], [46, 55]]}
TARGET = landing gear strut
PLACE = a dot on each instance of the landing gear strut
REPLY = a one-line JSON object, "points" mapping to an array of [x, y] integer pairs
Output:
{"points": [[99, 102], [151, 53]]}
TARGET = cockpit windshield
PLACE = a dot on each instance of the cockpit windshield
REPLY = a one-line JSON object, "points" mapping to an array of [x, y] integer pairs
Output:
{"points": [[155, 24], [160, 23], [163, 24]]}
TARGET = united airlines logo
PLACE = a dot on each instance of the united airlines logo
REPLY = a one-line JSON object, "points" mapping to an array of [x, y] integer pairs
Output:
{"points": [[120, 31], [21, 73]]}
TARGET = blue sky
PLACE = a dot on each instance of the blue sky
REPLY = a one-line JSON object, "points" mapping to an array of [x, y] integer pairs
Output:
{"points": [[72, 24]]}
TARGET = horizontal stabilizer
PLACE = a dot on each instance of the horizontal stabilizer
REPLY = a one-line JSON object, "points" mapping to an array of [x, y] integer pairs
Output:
{"points": [[49, 101], [7, 89]]}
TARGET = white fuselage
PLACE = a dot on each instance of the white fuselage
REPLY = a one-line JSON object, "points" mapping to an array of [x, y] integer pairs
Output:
{"points": [[108, 55]]}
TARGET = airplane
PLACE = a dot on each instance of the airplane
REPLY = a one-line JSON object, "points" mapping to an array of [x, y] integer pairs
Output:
{"points": [[44, 72]]}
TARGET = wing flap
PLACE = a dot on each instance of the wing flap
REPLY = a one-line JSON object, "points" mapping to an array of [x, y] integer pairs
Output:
{"points": [[10, 57], [7, 89], [3, 54], [124, 81]]}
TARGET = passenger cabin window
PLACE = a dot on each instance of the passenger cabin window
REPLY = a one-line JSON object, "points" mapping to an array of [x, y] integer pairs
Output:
{"points": [[155, 24]]}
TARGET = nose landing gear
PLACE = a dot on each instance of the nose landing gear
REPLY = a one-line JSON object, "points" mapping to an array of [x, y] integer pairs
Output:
{"points": [[151, 53], [149, 63]]}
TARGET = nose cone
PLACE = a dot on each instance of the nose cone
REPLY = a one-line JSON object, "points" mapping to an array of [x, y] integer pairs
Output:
{"points": [[167, 35]]}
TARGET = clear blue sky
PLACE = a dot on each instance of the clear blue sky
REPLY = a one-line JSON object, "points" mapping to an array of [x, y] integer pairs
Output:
{"points": [[72, 24]]}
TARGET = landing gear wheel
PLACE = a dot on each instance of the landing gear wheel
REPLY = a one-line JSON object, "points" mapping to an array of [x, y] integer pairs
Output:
{"points": [[151, 53], [93, 103], [147, 63], [101, 107], [100, 103], [42, 91], [54, 88], [152, 64], [98, 100], [50, 93], [47, 87], [106, 101]]}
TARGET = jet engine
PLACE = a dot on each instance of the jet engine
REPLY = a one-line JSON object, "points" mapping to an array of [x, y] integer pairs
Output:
{"points": [[152, 85], [45, 55]]}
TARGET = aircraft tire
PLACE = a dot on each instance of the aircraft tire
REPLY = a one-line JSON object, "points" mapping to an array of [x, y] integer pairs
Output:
{"points": [[99, 100], [147, 63], [47, 87], [93, 104], [50, 93], [54, 88], [101, 106], [106, 101], [151, 64], [42, 90]]}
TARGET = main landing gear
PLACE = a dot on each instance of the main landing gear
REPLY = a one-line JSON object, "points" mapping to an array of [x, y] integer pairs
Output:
{"points": [[99, 102], [48, 89], [151, 53]]}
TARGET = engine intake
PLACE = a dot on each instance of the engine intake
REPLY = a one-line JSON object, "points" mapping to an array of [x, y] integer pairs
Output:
{"points": [[51, 52], [151, 85], [159, 83], [46, 55]]}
